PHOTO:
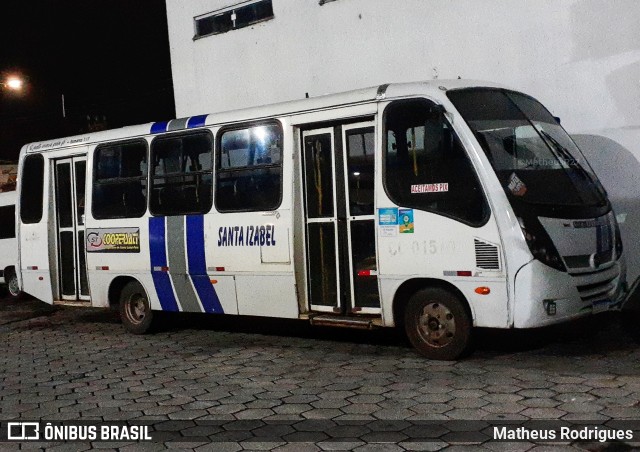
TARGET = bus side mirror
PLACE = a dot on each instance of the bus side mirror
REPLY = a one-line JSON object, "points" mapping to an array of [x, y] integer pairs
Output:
{"points": [[557, 118]]}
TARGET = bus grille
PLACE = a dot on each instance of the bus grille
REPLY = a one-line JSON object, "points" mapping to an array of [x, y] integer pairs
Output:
{"points": [[597, 285], [596, 291], [487, 256]]}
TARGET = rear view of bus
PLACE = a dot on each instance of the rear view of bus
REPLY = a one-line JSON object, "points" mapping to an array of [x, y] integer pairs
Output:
{"points": [[566, 219]]}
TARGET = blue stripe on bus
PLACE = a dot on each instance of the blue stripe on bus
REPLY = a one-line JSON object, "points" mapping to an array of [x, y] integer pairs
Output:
{"points": [[196, 121], [198, 266], [159, 127], [158, 253]]}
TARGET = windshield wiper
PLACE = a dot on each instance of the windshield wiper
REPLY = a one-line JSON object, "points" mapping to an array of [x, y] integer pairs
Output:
{"points": [[566, 156], [571, 161]]}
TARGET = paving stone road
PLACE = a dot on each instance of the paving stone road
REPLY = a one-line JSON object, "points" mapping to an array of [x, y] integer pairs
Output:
{"points": [[228, 384]]}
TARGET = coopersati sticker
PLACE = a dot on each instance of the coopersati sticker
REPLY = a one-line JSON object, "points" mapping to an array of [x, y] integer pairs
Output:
{"points": [[430, 188], [113, 240]]}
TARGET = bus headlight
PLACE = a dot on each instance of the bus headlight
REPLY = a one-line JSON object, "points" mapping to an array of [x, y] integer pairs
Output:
{"points": [[540, 244]]}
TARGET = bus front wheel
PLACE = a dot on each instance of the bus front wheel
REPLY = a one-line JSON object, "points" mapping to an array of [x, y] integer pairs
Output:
{"points": [[135, 310], [438, 324]]}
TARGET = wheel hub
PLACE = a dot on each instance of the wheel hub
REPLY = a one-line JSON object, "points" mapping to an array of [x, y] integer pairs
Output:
{"points": [[13, 286], [137, 309], [437, 325]]}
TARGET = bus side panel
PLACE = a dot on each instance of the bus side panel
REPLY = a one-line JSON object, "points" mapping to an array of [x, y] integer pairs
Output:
{"points": [[267, 295], [254, 250], [150, 263], [443, 249]]}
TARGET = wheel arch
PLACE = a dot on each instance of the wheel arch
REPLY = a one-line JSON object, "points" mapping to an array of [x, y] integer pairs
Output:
{"points": [[411, 286], [9, 268], [116, 286]]}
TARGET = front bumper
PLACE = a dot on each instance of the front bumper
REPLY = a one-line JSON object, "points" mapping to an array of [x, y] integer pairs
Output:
{"points": [[545, 296]]}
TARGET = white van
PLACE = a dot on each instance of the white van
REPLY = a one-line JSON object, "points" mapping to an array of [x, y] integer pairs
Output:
{"points": [[8, 243]]}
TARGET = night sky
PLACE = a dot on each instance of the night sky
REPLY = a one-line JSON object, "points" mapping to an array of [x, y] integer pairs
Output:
{"points": [[110, 59]]}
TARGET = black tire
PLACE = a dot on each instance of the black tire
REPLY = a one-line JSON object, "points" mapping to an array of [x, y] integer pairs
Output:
{"points": [[438, 324], [135, 310], [13, 286]]}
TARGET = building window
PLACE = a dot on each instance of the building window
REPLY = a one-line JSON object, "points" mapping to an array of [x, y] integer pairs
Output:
{"points": [[182, 173], [237, 17], [120, 180], [249, 169]]}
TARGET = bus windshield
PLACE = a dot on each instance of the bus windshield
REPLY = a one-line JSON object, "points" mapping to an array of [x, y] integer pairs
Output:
{"points": [[534, 158]]}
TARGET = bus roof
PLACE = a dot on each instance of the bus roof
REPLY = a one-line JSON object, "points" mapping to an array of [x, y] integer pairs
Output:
{"points": [[432, 88]]}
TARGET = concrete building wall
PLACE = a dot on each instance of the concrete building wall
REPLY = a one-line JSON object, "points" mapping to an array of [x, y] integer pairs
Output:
{"points": [[581, 58]]}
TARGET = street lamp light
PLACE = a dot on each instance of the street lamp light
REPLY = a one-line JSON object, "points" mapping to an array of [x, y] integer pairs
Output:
{"points": [[17, 83], [13, 83]]}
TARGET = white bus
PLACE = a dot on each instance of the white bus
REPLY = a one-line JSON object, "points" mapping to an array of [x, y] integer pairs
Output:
{"points": [[8, 244], [437, 206]]}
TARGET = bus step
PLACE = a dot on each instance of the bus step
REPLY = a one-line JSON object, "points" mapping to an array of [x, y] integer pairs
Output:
{"points": [[342, 321], [78, 303]]}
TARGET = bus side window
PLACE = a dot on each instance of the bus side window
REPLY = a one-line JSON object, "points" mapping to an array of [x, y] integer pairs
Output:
{"points": [[426, 167], [8, 222], [120, 180], [249, 168], [181, 179], [32, 189], [360, 170]]}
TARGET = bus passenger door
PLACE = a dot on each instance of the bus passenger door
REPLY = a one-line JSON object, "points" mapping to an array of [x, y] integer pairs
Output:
{"points": [[70, 182], [359, 165], [323, 265], [340, 222]]}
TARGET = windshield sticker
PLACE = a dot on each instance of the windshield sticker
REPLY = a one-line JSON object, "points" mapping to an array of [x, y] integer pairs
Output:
{"points": [[406, 221], [430, 188], [113, 240], [516, 186], [388, 216], [388, 221]]}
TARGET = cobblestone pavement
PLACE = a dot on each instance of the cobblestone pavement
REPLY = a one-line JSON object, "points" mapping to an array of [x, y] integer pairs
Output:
{"points": [[227, 384]]}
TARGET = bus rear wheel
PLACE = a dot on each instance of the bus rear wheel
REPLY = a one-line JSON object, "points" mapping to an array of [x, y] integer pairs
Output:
{"points": [[438, 325], [135, 309], [13, 286]]}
